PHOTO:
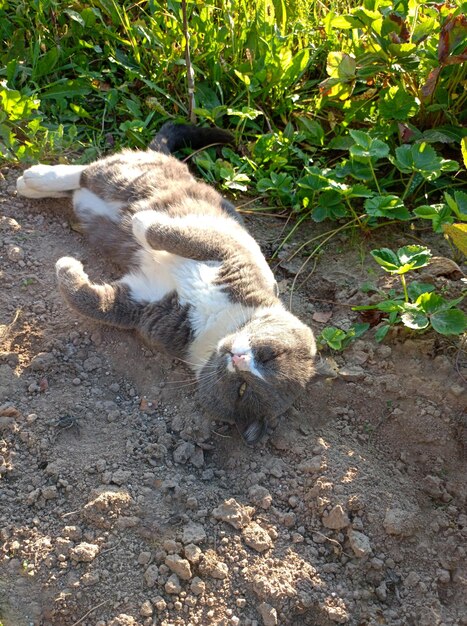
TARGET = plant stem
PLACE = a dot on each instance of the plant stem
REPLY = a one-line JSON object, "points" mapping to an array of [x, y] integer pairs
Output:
{"points": [[329, 232], [374, 177], [287, 237], [354, 214], [404, 287], [190, 75], [408, 186]]}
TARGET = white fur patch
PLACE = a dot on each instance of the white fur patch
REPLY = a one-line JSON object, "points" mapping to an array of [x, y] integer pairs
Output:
{"points": [[143, 220], [29, 192], [68, 262], [154, 277], [86, 203], [222, 323], [241, 344], [49, 178]]}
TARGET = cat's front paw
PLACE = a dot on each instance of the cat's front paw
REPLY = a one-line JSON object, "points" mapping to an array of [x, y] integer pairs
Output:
{"points": [[145, 223], [69, 271]]}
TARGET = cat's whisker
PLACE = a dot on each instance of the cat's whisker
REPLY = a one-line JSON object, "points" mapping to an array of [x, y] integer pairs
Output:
{"points": [[207, 379]]}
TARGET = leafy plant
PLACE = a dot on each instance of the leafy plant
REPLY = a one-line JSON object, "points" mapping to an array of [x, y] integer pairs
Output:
{"points": [[419, 307], [338, 339]]}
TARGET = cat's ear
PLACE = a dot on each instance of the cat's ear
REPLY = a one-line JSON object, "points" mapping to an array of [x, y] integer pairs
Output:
{"points": [[252, 431]]}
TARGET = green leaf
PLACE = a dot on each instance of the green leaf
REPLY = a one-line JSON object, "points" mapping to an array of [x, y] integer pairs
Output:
{"points": [[464, 150], [439, 214], [451, 322], [413, 258], [458, 204], [341, 65], [389, 306], [16, 105], [360, 329], [366, 148], [74, 15], [430, 302], [407, 258], [414, 318], [388, 206], [67, 89], [360, 191], [416, 289], [397, 104], [386, 258], [382, 332], [422, 158], [313, 130], [314, 180], [344, 22], [333, 337]]}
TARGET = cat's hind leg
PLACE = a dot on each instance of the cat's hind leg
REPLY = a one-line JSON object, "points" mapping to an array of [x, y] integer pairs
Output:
{"points": [[49, 181], [108, 303]]}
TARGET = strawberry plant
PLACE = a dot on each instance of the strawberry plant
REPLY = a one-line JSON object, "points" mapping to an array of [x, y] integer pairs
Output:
{"points": [[338, 339], [418, 307]]}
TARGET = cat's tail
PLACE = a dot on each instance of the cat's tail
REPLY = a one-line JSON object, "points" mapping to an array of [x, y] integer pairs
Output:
{"points": [[109, 303], [172, 137]]}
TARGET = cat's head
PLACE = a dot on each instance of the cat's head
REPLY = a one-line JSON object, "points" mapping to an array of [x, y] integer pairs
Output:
{"points": [[255, 374]]}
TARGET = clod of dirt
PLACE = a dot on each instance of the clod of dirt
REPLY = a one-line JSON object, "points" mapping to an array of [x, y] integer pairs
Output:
{"points": [[336, 519], [193, 533], [42, 361], [260, 496], [268, 613], [256, 537], [146, 609], [84, 552], [399, 522], [179, 566], [336, 610], [352, 373], [193, 553], [210, 565], [359, 543], [122, 620], [173, 586], [151, 575], [103, 510], [235, 514], [198, 586]]}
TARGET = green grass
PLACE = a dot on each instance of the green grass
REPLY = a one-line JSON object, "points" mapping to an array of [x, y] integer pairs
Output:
{"points": [[343, 112]]}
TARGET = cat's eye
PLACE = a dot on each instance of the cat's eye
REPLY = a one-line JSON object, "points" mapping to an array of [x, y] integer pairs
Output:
{"points": [[241, 390], [265, 355]]}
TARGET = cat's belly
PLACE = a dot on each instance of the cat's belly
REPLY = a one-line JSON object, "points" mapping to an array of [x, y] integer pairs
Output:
{"points": [[160, 273], [212, 314]]}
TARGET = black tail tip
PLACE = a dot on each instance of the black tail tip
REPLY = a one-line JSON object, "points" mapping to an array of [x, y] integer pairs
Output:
{"points": [[172, 137]]}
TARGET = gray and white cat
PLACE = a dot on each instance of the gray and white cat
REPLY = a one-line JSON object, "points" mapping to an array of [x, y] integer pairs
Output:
{"points": [[197, 284]]}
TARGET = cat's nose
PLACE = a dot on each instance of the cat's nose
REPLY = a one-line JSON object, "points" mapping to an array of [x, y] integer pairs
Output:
{"points": [[241, 361]]}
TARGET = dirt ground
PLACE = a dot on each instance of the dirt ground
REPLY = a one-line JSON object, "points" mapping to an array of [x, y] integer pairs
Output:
{"points": [[121, 505]]}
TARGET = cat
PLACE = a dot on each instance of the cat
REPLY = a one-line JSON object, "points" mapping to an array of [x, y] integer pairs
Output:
{"points": [[197, 284]]}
